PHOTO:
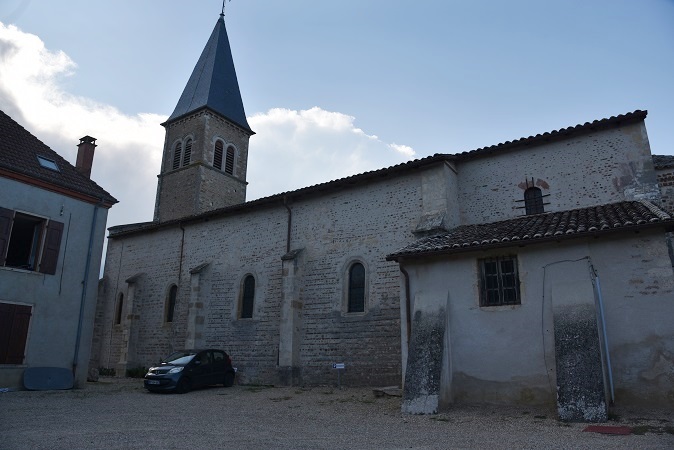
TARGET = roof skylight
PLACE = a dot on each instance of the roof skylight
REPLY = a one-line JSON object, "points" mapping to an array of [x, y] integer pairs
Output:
{"points": [[48, 163]]}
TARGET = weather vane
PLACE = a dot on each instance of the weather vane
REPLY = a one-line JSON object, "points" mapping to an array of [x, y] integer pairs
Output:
{"points": [[223, 7]]}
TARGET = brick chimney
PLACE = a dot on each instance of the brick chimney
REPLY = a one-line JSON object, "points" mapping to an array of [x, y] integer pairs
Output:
{"points": [[85, 155]]}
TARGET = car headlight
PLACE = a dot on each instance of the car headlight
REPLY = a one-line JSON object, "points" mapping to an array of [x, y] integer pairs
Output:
{"points": [[176, 370]]}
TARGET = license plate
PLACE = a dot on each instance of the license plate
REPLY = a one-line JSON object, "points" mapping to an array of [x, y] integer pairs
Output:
{"points": [[152, 381]]}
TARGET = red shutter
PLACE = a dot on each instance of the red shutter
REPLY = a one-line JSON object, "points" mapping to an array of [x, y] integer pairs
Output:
{"points": [[52, 246], [6, 216], [14, 321]]}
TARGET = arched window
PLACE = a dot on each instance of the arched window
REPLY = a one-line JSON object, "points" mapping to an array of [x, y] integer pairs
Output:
{"points": [[229, 161], [188, 152], [217, 155], [247, 297], [533, 201], [177, 152], [171, 303], [356, 300], [119, 309]]}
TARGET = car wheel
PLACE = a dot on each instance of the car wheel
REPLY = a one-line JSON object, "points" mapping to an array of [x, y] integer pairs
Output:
{"points": [[184, 385], [228, 380]]}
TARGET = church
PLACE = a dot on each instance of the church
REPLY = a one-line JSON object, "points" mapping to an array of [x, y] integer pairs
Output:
{"points": [[461, 277]]}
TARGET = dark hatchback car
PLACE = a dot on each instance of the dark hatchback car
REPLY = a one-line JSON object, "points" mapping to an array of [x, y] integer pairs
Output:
{"points": [[188, 369]]}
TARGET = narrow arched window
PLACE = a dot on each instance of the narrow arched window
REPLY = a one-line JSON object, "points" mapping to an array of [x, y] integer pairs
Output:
{"points": [[229, 161], [533, 201], [119, 309], [171, 303], [356, 301], [177, 152], [188, 152], [248, 297], [217, 155]]}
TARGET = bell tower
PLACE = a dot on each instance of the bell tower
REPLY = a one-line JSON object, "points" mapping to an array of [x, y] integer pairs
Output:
{"points": [[206, 146]]}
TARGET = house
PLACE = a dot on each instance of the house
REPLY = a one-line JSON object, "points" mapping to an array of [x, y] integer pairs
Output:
{"points": [[338, 272], [52, 228]]}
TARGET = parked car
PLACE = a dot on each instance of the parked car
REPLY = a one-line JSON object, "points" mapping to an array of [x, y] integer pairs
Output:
{"points": [[188, 369]]}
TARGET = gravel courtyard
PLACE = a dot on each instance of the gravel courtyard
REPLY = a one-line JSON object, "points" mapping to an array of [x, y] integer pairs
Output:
{"points": [[119, 413]]}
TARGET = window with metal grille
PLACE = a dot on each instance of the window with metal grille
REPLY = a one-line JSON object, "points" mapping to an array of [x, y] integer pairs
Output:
{"points": [[171, 303], [356, 300], [247, 297], [533, 201], [188, 152], [229, 161], [500, 283], [217, 155], [119, 310], [177, 153], [14, 322]]}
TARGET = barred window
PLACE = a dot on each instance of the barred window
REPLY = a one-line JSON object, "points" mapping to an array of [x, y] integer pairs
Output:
{"points": [[499, 283], [533, 201]]}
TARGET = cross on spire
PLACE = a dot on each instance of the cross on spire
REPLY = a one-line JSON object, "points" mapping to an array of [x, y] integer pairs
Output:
{"points": [[223, 7]]}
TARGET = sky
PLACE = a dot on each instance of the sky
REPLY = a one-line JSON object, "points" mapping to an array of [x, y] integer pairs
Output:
{"points": [[331, 88]]}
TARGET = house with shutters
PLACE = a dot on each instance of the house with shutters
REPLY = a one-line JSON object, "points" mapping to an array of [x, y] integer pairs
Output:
{"points": [[445, 274], [52, 229]]}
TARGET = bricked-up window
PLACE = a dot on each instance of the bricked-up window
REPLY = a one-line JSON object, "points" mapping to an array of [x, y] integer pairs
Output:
{"points": [[187, 155], [119, 309], [229, 161], [499, 281], [29, 242], [177, 154], [14, 321], [217, 155], [247, 297], [356, 300], [171, 303], [533, 201]]}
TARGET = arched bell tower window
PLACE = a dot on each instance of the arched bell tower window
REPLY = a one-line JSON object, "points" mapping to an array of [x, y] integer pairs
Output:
{"points": [[177, 154], [217, 155], [229, 161], [187, 155], [533, 201]]}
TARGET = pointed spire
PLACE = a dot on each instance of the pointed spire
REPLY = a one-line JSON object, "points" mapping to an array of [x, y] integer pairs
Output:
{"points": [[213, 83]]}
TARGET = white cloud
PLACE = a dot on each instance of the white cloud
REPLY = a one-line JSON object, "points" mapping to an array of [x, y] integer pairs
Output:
{"points": [[292, 149]]}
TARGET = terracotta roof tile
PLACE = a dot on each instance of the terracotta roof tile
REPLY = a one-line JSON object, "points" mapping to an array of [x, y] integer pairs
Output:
{"points": [[19, 151], [540, 227]]}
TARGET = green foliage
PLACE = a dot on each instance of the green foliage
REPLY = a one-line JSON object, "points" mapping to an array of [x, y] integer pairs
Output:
{"points": [[106, 372], [137, 372]]}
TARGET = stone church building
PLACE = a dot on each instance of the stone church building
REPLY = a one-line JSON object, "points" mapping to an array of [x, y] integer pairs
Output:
{"points": [[446, 274]]}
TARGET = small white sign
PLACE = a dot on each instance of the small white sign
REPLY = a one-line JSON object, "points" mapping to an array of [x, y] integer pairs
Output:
{"points": [[338, 365]]}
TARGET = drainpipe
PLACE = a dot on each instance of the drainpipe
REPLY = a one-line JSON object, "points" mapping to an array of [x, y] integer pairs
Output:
{"points": [[182, 249], [408, 306], [85, 284], [290, 222], [603, 332]]}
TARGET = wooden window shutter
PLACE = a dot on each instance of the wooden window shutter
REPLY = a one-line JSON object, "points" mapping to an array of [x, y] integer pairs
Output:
{"points": [[229, 161], [5, 230], [187, 155], [176, 155], [217, 157], [52, 246], [14, 321]]}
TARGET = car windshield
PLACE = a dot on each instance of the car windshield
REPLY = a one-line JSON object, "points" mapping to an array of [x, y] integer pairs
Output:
{"points": [[179, 358]]}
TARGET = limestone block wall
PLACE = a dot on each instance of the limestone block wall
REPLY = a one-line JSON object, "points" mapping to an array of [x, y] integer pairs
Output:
{"points": [[666, 182], [601, 167]]}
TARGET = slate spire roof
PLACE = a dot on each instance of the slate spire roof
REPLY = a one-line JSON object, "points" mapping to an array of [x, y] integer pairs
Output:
{"points": [[213, 83], [590, 221]]}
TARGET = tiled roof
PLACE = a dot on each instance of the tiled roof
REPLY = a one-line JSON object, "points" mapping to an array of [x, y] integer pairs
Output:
{"points": [[562, 133], [541, 227], [213, 83], [663, 161], [18, 155]]}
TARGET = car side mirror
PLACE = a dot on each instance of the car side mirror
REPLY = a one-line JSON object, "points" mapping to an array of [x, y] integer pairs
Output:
{"points": [[197, 362]]}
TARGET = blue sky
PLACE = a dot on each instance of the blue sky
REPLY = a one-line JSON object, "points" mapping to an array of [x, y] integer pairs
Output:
{"points": [[331, 88]]}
